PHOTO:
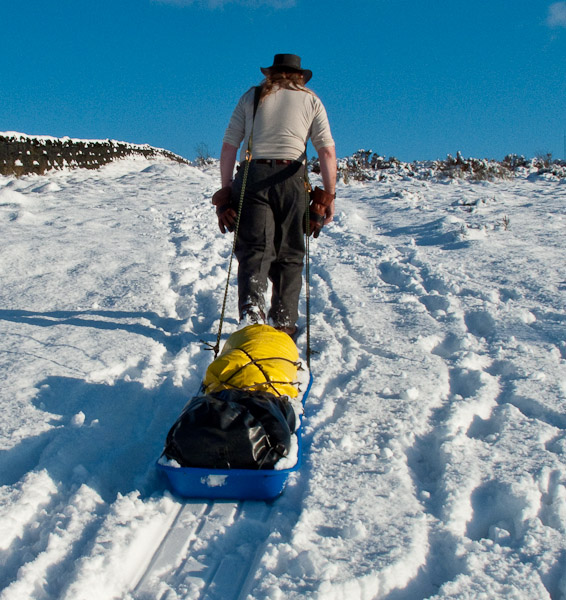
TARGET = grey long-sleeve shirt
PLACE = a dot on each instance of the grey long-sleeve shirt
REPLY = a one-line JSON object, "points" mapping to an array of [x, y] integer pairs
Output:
{"points": [[284, 122]]}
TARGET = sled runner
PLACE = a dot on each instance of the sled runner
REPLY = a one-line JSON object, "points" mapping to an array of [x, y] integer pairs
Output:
{"points": [[240, 439]]}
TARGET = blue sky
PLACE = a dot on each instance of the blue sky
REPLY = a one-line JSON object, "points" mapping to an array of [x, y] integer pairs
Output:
{"points": [[406, 78]]}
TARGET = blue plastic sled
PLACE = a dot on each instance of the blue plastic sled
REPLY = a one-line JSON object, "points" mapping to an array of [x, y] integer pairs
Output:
{"points": [[235, 484]]}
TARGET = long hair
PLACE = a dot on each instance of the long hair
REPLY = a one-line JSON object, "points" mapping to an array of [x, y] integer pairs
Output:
{"points": [[280, 79]]}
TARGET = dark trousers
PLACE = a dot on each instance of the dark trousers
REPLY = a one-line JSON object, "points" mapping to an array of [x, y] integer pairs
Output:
{"points": [[270, 240]]}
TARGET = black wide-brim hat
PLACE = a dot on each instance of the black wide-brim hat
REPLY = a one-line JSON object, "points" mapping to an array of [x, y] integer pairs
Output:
{"points": [[287, 63]]}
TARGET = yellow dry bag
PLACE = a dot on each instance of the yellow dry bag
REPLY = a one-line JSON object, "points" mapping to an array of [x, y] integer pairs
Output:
{"points": [[257, 357]]}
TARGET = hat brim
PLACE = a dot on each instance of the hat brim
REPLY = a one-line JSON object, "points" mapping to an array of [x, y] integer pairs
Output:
{"points": [[307, 73]]}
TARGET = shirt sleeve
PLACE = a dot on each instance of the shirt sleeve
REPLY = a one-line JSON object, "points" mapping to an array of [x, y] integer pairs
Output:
{"points": [[236, 129], [320, 133]]}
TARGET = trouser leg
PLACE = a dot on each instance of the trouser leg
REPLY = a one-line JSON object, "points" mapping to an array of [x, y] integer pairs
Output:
{"points": [[255, 254], [271, 240], [286, 270]]}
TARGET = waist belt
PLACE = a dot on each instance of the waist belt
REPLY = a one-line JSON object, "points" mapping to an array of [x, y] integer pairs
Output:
{"points": [[273, 161]]}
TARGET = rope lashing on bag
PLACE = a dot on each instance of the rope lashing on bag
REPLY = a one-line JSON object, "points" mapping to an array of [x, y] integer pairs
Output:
{"points": [[261, 387], [269, 382]]}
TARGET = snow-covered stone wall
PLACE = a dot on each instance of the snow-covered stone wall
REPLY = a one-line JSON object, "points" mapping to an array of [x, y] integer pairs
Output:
{"points": [[21, 154]]}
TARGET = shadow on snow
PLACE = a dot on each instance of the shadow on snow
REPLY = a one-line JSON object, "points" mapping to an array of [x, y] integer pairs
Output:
{"points": [[163, 330], [106, 436]]}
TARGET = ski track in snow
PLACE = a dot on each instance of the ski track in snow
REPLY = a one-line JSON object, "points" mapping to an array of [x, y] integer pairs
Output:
{"points": [[434, 435]]}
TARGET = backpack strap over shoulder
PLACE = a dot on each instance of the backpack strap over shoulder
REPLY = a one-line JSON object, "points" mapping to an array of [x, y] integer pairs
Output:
{"points": [[257, 96]]}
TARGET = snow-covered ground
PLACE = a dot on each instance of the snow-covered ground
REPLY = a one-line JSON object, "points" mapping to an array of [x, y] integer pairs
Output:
{"points": [[435, 434]]}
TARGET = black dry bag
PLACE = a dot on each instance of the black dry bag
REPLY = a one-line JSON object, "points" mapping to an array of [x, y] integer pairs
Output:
{"points": [[232, 429]]}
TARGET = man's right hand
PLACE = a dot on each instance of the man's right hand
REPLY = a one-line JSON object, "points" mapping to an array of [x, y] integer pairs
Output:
{"points": [[226, 219], [224, 211]]}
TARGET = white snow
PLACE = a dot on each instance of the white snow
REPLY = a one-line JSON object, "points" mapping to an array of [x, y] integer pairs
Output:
{"points": [[434, 437]]}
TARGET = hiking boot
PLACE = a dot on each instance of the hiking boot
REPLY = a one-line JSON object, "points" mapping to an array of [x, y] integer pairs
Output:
{"points": [[290, 330], [252, 315]]}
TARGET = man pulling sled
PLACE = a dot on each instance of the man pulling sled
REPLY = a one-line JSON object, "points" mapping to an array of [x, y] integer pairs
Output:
{"points": [[246, 418]]}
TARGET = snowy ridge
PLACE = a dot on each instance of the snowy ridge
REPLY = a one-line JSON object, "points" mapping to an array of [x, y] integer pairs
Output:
{"points": [[434, 455]]}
